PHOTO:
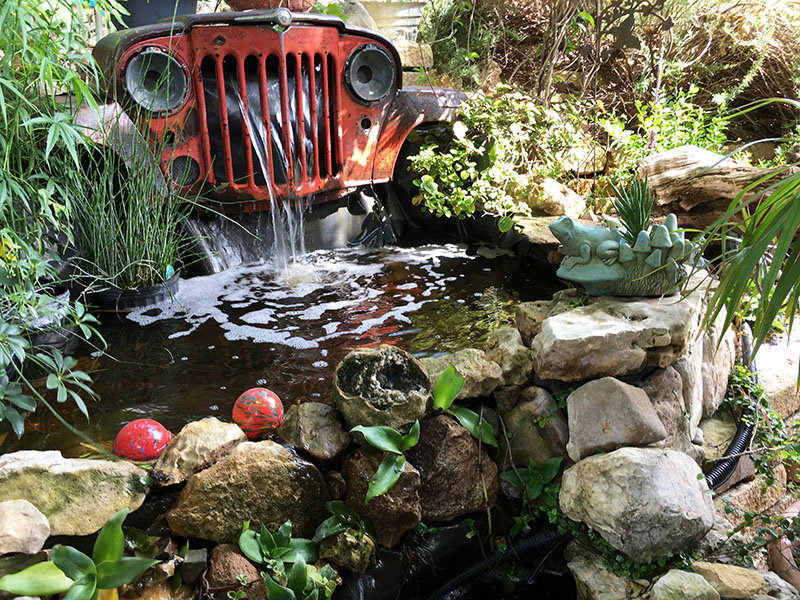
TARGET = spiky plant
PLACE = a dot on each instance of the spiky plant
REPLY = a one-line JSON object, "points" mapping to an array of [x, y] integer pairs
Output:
{"points": [[633, 204]]}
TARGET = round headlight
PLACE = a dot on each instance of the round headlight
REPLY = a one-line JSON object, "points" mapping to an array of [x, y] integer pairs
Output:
{"points": [[156, 81], [370, 73]]}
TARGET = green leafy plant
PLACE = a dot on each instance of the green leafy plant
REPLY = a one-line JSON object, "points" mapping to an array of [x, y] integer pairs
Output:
{"points": [[633, 204], [71, 571], [533, 479], [302, 581], [394, 444], [343, 517], [445, 391]]}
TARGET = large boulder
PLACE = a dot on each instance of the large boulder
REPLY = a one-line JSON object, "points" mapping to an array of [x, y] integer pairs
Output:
{"points": [[606, 414], [646, 502], [260, 482], [680, 585], [314, 428], [381, 386], [505, 347], [615, 336], [482, 376], [22, 527], [76, 495], [197, 445], [456, 476], [393, 513]]}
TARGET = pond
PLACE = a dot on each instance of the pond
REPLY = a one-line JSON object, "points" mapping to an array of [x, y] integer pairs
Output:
{"points": [[286, 330]]}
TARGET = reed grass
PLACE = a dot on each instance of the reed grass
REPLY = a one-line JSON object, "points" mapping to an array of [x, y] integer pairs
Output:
{"points": [[633, 204]]}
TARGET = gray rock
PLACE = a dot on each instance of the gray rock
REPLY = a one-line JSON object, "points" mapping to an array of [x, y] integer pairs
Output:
{"points": [[529, 317], [456, 478], [776, 588], [664, 388], [381, 386], [505, 347], [718, 359], [482, 376], [260, 482], [606, 414], [349, 549], [506, 397], [76, 495], [680, 585], [314, 428], [593, 580], [355, 12], [538, 429], [197, 446], [22, 527], [615, 336], [718, 544], [393, 513], [645, 502], [690, 368]]}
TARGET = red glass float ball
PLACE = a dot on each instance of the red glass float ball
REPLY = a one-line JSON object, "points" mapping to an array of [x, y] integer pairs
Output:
{"points": [[258, 411], [142, 439]]}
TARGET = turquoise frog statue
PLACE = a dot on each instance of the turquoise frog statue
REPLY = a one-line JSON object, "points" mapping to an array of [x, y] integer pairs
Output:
{"points": [[604, 264]]}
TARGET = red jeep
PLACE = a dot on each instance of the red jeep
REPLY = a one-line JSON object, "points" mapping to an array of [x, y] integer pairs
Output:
{"points": [[261, 107]]}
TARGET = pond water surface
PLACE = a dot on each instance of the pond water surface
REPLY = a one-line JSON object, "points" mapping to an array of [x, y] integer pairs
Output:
{"points": [[252, 326]]}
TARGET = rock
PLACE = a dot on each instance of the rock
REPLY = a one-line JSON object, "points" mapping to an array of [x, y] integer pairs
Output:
{"points": [[414, 55], [76, 495], [537, 428], [680, 585], [455, 479], [606, 414], [730, 581], [349, 549], [197, 446], [550, 197], [664, 388], [482, 376], [505, 347], [646, 502], [194, 564], [490, 74], [158, 591], [355, 12], [534, 239], [22, 527], [718, 359], [776, 588], [696, 184], [777, 364], [690, 368], [393, 513], [381, 386], [506, 397], [584, 158], [336, 484], [529, 317], [615, 336], [593, 580], [753, 496], [719, 542], [228, 569], [314, 428], [260, 482]]}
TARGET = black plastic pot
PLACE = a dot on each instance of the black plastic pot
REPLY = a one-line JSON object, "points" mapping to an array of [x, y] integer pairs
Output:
{"points": [[125, 300], [147, 12]]}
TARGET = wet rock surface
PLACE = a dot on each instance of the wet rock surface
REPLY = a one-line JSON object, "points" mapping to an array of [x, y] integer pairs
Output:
{"points": [[349, 549], [645, 502], [482, 376], [381, 386], [314, 428], [392, 514], [76, 495], [197, 446], [228, 571], [456, 478], [606, 414], [260, 482], [22, 527]]}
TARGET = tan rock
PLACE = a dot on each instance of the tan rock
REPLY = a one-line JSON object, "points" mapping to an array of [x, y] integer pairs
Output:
{"points": [[730, 581], [482, 376], [753, 496], [530, 316], [414, 54]]}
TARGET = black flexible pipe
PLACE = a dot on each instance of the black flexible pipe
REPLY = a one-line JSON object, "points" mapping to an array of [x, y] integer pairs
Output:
{"points": [[544, 539], [723, 470]]}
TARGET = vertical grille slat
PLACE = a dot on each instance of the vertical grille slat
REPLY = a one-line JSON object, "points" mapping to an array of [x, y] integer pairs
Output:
{"points": [[270, 121]]}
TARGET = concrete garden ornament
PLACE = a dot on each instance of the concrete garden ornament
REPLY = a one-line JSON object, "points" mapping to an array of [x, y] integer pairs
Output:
{"points": [[605, 264]]}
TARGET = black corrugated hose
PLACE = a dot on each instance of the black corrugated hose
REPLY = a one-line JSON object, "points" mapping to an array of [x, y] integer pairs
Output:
{"points": [[723, 470]]}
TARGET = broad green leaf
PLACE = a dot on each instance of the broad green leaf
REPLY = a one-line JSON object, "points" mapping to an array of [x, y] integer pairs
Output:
{"points": [[549, 468], [386, 476], [301, 548], [114, 573], [41, 579], [276, 591], [283, 535], [74, 563], [505, 223], [250, 547], [447, 387], [412, 437], [330, 527], [110, 541], [513, 477], [84, 588], [382, 438], [267, 542], [471, 421], [296, 580]]}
